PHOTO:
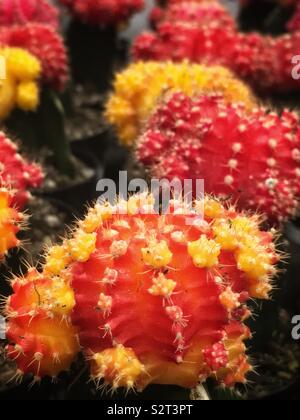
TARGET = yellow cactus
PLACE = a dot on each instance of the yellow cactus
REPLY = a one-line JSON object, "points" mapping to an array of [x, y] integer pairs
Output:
{"points": [[138, 89], [20, 87]]}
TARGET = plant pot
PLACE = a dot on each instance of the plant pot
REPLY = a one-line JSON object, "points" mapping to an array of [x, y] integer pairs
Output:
{"points": [[78, 195], [92, 54]]}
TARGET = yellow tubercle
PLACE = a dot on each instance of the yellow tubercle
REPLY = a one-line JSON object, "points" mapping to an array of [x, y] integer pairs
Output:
{"points": [[82, 245], [229, 299], [118, 366], [162, 286], [157, 255], [21, 64], [205, 252], [57, 259]]}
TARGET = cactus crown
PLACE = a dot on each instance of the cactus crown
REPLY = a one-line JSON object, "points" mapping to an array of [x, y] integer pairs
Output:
{"points": [[138, 89], [255, 154], [149, 298]]}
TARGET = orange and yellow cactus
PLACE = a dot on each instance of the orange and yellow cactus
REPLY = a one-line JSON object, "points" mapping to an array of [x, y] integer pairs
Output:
{"points": [[138, 89], [10, 220], [20, 88], [149, 298]]}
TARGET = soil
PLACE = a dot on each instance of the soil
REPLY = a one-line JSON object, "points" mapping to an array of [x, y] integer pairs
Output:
{"points": [[85, 119], [47, 224], [7, 371], [55, 180]]}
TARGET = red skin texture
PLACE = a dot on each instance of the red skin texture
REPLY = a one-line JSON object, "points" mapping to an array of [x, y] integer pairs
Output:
{"points": [[103, 12], [46, 44], [269, 150], [17, 173], [20, 12], [263, 61], [195, 14]]}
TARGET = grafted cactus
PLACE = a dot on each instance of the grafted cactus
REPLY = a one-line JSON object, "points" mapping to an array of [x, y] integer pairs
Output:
{"points": [[150, 298]]}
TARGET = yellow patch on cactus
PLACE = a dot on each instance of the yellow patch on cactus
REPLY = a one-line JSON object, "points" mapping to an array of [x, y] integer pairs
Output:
{"points": [[157, 255], [138, 89], [20, 87], [205, 252], [57, 259], [82, 246], [9, 220], [162, 286], [117, 366]]}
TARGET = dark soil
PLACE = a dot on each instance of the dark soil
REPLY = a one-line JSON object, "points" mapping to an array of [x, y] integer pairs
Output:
{"points": [[56, 180], [47, 224], [7, 371], [85, 118]]}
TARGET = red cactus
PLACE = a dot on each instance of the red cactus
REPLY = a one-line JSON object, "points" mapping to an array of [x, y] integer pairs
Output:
{"points": [[264, 61], [46, 44], [103, 12], [20, 12], [17, 173], [255, 155], [152, 298], [294, 23], [195, 14]]}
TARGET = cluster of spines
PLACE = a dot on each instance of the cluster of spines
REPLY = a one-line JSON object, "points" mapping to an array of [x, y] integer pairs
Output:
{"points": [[137, 91], [264, 61], [45, 43], [17, 173], [20, 12], [151, 299], [103, 12], [256, 152]]}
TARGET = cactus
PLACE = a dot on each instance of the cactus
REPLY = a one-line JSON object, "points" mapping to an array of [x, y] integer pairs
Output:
{"points": [[194, 13], [263, 61], [294, 23], [139, 87], [103, 12], [20, 87], [20, 12], [17, 172], [10, 222], [46, 44], [255, 154], [149, 298]]}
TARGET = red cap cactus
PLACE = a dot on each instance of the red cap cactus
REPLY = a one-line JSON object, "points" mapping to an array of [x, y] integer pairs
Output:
{"points": [[255, 156], [149, 298], [103, 12], [10, 221], [20, 12], [46, 44], [17, 172], [195, 14], [264, 61]]}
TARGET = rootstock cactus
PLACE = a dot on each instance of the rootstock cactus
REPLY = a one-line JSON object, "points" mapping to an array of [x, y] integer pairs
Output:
{"points": [[147, 297]]}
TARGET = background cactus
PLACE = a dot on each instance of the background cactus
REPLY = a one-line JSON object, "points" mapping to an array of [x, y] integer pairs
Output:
{"points": [[255, 154], [46, 44], [20, 12], [264, 61], [20, 88], [137, 91], [10, 221], [151, 299], [17, 173], [103, 12]]}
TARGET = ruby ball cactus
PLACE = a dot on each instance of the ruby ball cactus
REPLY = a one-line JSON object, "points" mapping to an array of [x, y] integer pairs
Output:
{"points": [[147, 297]]}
